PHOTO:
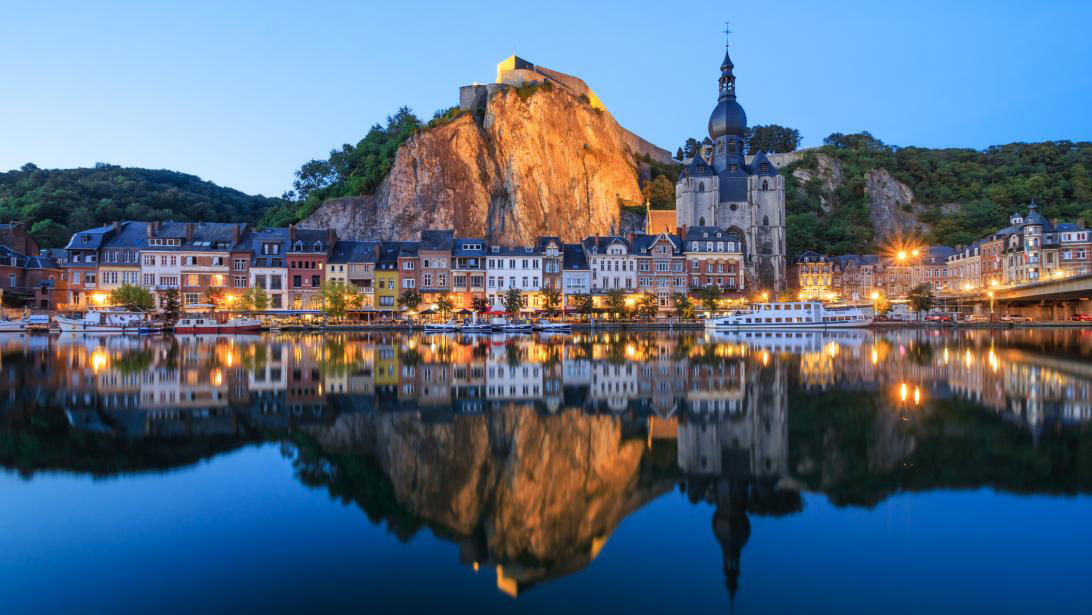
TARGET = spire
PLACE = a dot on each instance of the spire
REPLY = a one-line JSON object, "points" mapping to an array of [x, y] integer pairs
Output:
{"points": [[727, 79]]}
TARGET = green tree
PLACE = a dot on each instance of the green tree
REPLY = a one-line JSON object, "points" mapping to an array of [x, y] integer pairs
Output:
{"points": [[708, 295], [921, 298], [616, 302], [660, 193], [214, 295], [338, 298], [771, 138], [132, 298], [552, 298], [513, 301], [444, 304], [254, 299], [647, 305], [479, 304], [410, 298], [171, 304], [684, 307], [583, 304]]}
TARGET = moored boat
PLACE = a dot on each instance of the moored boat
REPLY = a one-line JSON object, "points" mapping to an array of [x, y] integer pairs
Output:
{"points": [[12, 326], [790, 315], [204, 324], [553, 327], [440, 327], [102, 321]]}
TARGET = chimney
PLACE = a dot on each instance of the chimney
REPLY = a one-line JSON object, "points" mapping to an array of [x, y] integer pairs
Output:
{"points": [[1080, 221], [629, 237], [189, 232], [150, 228], [117, 226], [292, 233], [331, 237], [235, 230]]}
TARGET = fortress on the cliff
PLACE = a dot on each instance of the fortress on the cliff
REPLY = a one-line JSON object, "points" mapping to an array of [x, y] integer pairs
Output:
{"points": [[514, 72]]}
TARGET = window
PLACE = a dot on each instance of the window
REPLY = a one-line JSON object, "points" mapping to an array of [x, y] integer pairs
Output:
{"points": [[316, 281], [11, 280], [408, 282], [239, 281], [239, 264], [408, 265], [297, 281], [427, 279], [259, 281], [275, 282], [442, 279], [190, 298]]}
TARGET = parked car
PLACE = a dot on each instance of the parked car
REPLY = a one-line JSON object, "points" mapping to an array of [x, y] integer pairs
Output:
{"points": [[1081, 318], [972, 318], [886, 318], [938, 318], [1014, 318]]}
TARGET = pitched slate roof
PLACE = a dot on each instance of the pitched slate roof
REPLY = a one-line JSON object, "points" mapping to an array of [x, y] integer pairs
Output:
{"points": [[348, 251], [573, 257]]}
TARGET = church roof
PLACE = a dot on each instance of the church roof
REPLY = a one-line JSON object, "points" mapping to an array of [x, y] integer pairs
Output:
{"points": [[757, 168], [698, 167], [660, 221]]}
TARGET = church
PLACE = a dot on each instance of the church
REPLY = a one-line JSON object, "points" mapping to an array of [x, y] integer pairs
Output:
{"points": [[719, 188]]}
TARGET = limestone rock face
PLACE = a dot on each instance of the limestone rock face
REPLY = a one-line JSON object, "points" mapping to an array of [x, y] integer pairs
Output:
{"points": [[544, 164], [829, 172], [546, 487], [892, 212]]}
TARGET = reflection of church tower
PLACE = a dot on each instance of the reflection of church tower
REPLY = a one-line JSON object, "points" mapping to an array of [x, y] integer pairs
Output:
{"points": [[732, 529]]}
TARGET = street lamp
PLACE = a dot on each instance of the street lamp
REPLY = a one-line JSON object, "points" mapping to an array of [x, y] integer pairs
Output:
{"points": [[990, 295]]}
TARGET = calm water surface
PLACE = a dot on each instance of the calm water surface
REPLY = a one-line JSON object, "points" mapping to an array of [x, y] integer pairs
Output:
{"points": [[909, 471]]}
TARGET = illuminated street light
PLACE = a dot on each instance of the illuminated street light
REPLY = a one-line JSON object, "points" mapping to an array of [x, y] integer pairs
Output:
{"points": [[875, 295], [99, 298]]}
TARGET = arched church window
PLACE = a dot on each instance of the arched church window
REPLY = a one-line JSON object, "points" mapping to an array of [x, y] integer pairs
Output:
{"points": [[701, 221], [731, 147], [765, 185], [701, 186], [720, 147], [765, 220]]}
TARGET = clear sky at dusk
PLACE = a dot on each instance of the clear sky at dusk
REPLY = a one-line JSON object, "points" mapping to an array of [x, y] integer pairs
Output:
{"points": [[243, 93]]}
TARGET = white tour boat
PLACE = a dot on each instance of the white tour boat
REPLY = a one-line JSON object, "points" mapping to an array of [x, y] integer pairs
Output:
{"points": [[790, 315], [440, 327], [12, 326], [553, 327], [102, 321]]}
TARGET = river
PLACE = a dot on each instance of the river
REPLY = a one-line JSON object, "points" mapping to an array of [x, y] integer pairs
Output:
{"points": [[895, 471]]}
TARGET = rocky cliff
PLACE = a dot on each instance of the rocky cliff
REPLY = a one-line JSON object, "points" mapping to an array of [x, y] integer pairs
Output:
{"points": [[892, 208], [528, 162]]}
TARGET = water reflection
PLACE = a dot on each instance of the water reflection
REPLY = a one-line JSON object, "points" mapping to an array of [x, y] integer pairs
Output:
{"points": [[528, 452]]}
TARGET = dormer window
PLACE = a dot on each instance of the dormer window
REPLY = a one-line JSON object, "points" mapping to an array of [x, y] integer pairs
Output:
{"points": [[317, 247], [298, 246], [495, 249], [732, 168], [85, 238]]}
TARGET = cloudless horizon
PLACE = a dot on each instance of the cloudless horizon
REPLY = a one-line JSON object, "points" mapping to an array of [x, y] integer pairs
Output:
{"points": [[243, 94]]}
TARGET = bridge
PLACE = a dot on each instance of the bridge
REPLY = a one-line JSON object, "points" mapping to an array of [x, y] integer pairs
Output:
{"points": [[1056, 298]]}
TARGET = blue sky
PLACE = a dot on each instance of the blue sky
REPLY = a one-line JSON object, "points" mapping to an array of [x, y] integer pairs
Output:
{"points": [[242, 93]]}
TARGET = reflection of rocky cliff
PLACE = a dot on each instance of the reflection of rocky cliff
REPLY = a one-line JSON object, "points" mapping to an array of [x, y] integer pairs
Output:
{"points": [[542, 490]]}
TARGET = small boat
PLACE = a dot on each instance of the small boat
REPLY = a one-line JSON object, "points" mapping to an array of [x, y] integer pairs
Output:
{"points": [[12, 326], [516, 326], [37, 323], [440, 327], [790, 315], [211, 325], [476, 326], [553, 327], [102, 321]]}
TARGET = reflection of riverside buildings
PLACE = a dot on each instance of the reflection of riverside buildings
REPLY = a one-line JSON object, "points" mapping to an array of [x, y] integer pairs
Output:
{"points": [[632, 415]]}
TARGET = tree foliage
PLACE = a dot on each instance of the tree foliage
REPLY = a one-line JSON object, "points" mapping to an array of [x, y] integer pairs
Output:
{"points": [[254, 299], [551, 297], [349, 170], [647, 305], [684, 307], [513, 301], [55, 203], [171, 304], [338, 298], [708, 295], [479, 304], [771, 138], [444, 304], [132, 298], [921, 298], [410, 298], [616, 302]]}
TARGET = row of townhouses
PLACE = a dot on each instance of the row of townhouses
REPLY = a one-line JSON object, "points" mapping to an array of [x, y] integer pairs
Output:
{"points": [[292, 265], [1031, 249]]}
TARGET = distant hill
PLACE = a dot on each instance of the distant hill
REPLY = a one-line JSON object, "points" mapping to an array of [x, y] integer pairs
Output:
{"points": [[855, 193], [54, 203]]}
